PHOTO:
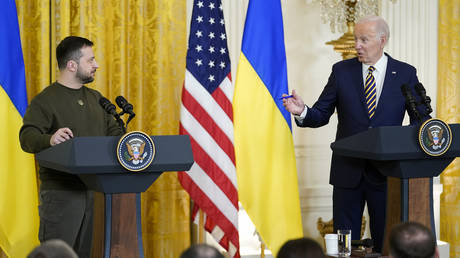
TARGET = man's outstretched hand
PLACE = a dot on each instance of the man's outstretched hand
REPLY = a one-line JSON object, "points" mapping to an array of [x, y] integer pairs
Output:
{"points": [[294, 104]]}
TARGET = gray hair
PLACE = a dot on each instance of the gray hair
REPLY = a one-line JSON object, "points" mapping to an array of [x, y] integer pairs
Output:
{"points": [[380, 24]]}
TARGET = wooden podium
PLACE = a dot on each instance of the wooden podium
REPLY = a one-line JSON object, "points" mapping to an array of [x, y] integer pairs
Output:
{"points": [[95, 161], [395, 152]]}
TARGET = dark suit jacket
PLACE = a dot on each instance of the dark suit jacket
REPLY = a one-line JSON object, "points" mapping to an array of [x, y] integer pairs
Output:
{"points": [[345, 91]]}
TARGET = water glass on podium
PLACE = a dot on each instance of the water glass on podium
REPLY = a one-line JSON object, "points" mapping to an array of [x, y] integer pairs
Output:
{"points": [[344, 242]]}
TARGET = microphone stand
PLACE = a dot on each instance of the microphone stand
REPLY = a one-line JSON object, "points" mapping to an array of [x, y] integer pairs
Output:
{"points": [[121, 123], [131, 116]]}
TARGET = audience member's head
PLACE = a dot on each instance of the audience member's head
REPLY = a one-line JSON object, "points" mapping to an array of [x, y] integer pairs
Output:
{"points": [[54, 248], [201, 251], [301, 248], [412, 240]]}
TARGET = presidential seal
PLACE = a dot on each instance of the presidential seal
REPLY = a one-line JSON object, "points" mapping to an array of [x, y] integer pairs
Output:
{"points": [[135, 151], [435, 137]]}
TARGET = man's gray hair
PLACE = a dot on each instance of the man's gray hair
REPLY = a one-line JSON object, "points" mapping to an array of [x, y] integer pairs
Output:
{"points": [[381, 25]]}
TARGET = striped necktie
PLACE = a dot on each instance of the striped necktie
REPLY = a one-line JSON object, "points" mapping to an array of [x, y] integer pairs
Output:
{"points": [[370, 92]]}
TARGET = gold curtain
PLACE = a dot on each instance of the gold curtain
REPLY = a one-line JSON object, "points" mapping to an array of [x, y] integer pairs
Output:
{"points": [[448, 109], [140, 46]]}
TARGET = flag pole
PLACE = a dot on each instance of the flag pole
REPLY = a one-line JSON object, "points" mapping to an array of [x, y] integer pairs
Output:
{"points": [[262, 250], [200, 227], [262, 245]]}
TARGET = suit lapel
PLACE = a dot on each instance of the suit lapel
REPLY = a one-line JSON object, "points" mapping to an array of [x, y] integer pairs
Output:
{"points": [[390, 76], [357, 75]]}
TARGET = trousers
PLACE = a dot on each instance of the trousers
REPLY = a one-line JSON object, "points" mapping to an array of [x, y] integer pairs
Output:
{"points": [[348, 206], [67, 215]]}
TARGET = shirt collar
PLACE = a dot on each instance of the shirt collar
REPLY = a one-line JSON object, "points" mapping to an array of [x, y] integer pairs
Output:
{"points": [[379, 66]]}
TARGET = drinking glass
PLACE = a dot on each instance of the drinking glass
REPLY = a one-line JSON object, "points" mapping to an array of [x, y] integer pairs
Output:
{"points": [[344, 242]]}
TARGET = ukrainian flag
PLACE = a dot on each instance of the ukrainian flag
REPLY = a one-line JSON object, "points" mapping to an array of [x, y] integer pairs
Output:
{"points": [[18, 189], [264, 148]]}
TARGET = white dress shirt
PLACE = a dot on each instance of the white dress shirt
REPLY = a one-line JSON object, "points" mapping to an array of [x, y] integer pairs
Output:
{"points": [[379, 75]]}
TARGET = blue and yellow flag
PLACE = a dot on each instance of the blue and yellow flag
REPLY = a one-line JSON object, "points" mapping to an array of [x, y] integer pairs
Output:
{"points": [[18, 188], [264, 148]]}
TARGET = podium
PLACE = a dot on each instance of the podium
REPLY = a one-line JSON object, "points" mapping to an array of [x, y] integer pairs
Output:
{"points": [[395, 152], [95, 161]]}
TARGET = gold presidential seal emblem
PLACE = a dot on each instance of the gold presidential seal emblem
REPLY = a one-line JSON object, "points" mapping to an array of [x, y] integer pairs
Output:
{"points": [[435, 137], [135, 151]]}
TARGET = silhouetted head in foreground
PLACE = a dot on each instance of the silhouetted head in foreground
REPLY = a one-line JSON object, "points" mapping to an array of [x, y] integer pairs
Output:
{"points": [[412, 240], [202, 251], [54, 248], [301, 248]]}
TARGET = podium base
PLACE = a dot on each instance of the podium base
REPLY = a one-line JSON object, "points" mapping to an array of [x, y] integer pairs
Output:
{"points": [[123, 227], [408, 200]]}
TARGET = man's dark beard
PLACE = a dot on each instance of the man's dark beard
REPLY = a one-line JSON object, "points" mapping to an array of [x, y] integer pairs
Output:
{"points": [[84, 79]]}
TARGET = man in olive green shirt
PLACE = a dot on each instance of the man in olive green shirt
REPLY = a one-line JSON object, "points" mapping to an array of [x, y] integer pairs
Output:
{"points": [[64, 110]]}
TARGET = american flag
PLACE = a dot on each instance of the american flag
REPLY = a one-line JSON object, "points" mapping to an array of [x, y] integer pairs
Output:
{"points": [[207, 116]]}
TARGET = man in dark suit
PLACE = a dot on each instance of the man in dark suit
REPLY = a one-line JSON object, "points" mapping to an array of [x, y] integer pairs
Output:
{"points": [[366, 93]]}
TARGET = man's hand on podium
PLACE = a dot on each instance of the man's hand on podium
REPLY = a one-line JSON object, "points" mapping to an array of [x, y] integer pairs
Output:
{"points": [[61, 135]]}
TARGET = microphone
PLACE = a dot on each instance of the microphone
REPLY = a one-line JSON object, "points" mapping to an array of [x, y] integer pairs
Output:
{"points": [[112, 110], [364, 242], [410, 101], [426, 100], [125, 106], [108, 107]]}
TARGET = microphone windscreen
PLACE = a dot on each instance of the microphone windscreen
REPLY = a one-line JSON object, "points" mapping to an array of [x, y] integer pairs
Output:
{"points": [[404, 87], [121, 101], [420, 89], [107, 105], [406, 91], [104, 102]]}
